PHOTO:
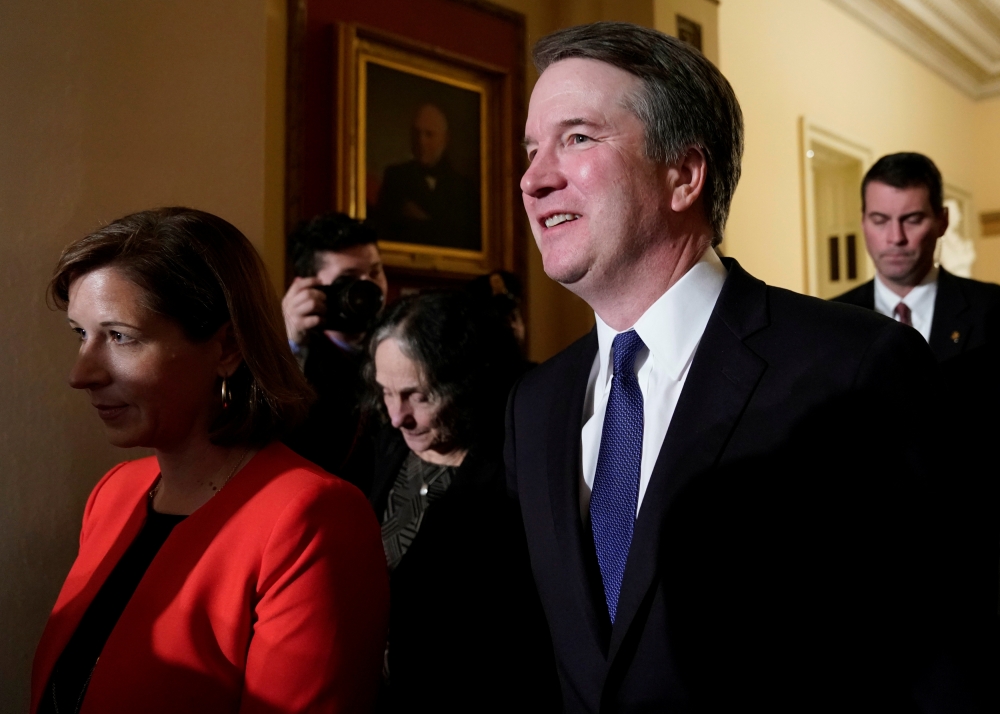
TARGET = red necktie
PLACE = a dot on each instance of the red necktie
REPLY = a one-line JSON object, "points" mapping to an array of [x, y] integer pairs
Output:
{"points": [[903, 313]]}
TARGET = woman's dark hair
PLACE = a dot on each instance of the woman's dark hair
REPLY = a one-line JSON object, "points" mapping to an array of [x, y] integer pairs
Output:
{"points": [[467, 358], [200, 271]]}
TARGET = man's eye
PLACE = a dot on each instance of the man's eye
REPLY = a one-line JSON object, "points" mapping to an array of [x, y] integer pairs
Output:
{"points": [[579, 139], [81, 333], [531, 155]]}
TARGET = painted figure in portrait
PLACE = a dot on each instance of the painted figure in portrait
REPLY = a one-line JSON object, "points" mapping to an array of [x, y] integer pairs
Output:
{"points": [[432, 196]]}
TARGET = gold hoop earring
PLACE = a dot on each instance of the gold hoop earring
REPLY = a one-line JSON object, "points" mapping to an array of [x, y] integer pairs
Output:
{"points": [[227, 396]]}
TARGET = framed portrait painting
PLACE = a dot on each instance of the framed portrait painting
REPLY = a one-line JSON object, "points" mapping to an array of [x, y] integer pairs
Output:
{"points": [[426, 143]]}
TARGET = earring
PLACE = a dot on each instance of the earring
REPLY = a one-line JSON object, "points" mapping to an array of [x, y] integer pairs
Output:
{"points": [[227, 396]]}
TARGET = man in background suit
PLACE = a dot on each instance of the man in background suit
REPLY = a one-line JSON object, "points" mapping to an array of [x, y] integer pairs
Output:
{"points": [[334, 435], [706, 531], [904, 215]]}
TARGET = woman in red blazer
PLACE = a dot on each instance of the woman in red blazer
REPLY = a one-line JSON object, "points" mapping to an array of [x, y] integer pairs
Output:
{"points": [[225, 573]]}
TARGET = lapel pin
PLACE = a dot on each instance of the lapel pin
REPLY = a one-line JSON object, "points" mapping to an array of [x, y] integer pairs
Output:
{"points": [[955, 336]]}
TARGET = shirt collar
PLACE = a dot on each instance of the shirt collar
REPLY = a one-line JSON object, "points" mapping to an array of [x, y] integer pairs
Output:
{"points": [[886, 300], [671, 327]]}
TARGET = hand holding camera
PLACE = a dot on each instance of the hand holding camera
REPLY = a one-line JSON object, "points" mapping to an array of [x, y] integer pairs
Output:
{"points": [[303, 307], [348, 305]]}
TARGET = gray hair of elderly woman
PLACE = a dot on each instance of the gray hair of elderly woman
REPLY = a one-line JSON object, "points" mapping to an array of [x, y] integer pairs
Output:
{"points": [[468, 360], [685, 101]]}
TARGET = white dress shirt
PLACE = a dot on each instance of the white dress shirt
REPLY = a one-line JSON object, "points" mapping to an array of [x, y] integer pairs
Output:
{"points": [[920, 300], [671, 329]]}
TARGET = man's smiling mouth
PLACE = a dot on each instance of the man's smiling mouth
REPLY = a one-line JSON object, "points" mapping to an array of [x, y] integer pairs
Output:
{"points": [[560, 218]]}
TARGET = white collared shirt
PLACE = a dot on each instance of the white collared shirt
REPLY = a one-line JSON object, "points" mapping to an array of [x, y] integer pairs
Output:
{"points": [[920, 300], [671, 329]]}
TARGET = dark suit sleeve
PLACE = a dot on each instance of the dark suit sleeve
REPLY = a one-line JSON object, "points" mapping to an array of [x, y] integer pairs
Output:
{"points": [[824, 540], [912, 538], [861, 296], [509, 446], [991, 318], [538, 659]]}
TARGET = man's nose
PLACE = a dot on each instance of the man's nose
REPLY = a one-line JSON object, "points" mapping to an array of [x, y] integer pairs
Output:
{"points": [[89, 370], [897, 233], [543, 175]]}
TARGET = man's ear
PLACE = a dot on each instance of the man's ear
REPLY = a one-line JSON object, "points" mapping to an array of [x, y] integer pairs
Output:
{"points": [[686, 179], [230, 354], [944, 219]]}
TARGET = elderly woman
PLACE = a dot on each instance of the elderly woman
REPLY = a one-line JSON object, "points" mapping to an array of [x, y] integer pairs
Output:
{"points": [[466, 632], [224, 573]]}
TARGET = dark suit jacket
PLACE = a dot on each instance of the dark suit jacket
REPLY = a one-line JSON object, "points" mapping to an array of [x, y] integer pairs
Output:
{"points": [[966, 313], [466, 631], [972, 403], [778, 560], [452, 206], [334, 436]]}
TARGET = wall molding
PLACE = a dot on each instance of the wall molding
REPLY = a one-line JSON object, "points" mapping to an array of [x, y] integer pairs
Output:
{"points": [[958, 39]]}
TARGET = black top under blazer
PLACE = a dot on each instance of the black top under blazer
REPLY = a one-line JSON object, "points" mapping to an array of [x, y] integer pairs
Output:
{"points": [[966, 313], [466, 631], [780, 559]]}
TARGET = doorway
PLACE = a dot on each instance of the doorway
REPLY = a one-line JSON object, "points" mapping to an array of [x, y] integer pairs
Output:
{"points": [[833, 167]]}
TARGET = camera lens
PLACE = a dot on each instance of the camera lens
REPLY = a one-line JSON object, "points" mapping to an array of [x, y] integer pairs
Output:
{"points": [[362, 298], [351, 304]]}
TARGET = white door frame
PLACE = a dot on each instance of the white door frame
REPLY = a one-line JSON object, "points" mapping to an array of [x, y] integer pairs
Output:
{"points": [[811, 131]]}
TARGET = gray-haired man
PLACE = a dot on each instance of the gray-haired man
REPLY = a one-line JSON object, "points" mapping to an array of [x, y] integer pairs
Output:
{"points": [[705, 534]]}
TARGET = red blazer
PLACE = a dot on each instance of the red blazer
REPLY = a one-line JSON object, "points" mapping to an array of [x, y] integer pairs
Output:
{"points": [[272, 597]]}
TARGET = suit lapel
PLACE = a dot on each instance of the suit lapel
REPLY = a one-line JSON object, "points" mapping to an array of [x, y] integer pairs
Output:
{"points": [[950, 330], [722, 379], [563, 469], [868, 294]]}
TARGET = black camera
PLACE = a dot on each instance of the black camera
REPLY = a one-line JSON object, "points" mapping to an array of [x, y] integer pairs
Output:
{"points": [[351, 305]]}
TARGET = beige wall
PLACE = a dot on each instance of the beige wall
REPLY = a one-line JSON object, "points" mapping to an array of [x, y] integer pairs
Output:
{"points": [[986, 184], [788, 58], [555, 316], [704, 12], [107, 107]]}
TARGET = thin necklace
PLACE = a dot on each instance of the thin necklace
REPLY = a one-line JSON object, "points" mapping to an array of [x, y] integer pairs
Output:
{"points": [[152, 493], [232, 472]]}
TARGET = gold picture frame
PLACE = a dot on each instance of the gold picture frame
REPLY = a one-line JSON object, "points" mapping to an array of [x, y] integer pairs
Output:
{"points": [[464, 225]]}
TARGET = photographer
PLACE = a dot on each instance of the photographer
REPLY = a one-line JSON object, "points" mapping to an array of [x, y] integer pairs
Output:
{"points": [[335, 259]]}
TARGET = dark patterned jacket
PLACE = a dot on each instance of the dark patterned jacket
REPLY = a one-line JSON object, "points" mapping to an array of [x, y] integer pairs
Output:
{"points": [[466, 630]]}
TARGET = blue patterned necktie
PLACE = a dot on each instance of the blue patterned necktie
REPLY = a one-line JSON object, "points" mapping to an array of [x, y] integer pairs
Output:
{"points": [[616, 482]]}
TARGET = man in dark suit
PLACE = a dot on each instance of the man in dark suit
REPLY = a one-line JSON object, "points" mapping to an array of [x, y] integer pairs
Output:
{"points": [[425, 200], [904, 215], [708, 529], [333, 436]]}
